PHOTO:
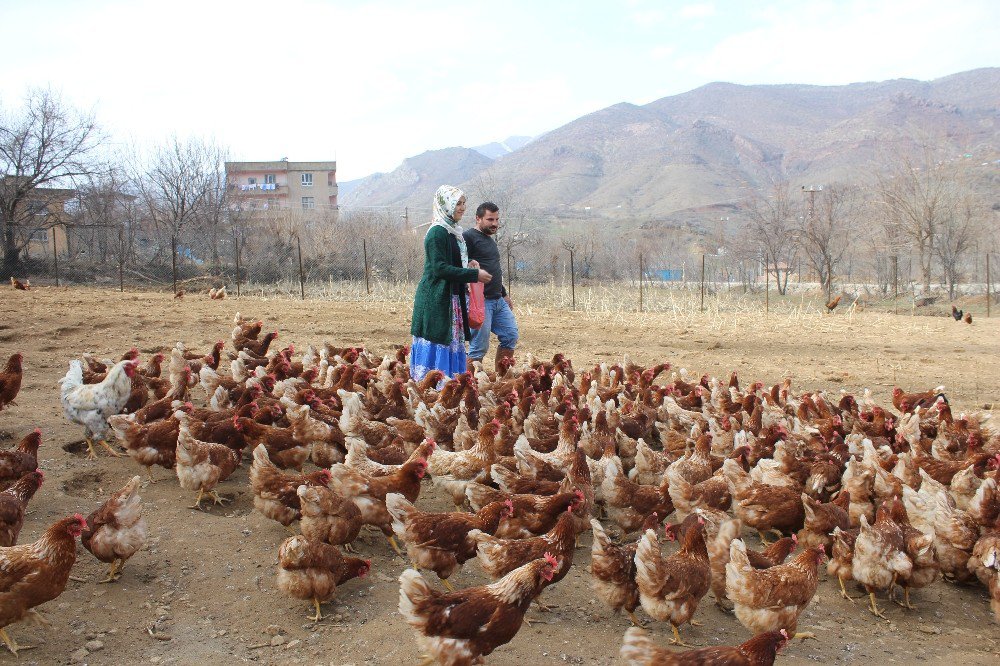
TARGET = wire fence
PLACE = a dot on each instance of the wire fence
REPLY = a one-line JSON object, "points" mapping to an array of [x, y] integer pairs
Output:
{"points": [[377, 254]]}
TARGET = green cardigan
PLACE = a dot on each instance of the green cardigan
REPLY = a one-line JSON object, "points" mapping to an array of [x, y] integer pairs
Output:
{"points": [[443, 272]]}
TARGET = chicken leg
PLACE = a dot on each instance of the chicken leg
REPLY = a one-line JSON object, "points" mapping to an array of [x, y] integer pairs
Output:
{"points": [[319, 615], [197, 502], [635, 620], [115, 572], [10, 642], [451, 588], [876, 611], [843, 590], [906, 600], [110, 450], [395, 546], [676, 640]]}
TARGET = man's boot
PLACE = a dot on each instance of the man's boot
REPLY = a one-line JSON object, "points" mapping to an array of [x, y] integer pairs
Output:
{"points": [[502, 354]]}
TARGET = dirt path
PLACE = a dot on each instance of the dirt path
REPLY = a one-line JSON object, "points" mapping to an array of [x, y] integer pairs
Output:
{"points": [[206, 580]]}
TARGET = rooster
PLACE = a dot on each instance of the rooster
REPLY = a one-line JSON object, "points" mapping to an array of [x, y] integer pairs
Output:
{"points": [[832, 305], [90, 405], [956, 314], [10, 380], [34, 573], [116, 531], [464, 626]]}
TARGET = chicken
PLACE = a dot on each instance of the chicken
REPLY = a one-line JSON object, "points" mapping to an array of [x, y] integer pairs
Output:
{"points": [[369, 492], [832, 305], [761, 506], [90, 405], [13, 503], [23, 458], [841, 562], [628, 503], [880, 555], [116, 531], [460, 628], [956, 314], [443, 542], [920, 550], [907, 402], [217, 294], [33, 573], [472, 463], [821, 518], [639, 650], [670, 588], [328, 516], [20, 286], [148, 444], [10, 380], [326, 442], [499, 557], [275, 494], [202, 465], [613, 569], [773, 598], [283, 448], [313, 570], [533, 514]]}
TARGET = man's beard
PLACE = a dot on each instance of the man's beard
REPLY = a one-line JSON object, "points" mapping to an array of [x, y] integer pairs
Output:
{"points": [[490, 232]]}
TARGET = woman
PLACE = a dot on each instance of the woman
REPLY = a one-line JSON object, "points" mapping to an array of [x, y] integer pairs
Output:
{"points": [[440, 325]]}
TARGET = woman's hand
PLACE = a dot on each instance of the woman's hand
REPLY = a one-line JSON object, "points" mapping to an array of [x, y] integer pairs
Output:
{"points": [[473, 264], [484, 277]]}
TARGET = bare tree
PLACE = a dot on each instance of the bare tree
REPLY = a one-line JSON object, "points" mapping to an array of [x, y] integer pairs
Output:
{"points": [[957, 234], [517, 221], [826, 231], [45, 143], [773, 227], [918, 197]]}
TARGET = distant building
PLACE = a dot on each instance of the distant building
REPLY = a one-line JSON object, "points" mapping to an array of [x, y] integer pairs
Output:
{"points": [[47, 206], [284, 184]]}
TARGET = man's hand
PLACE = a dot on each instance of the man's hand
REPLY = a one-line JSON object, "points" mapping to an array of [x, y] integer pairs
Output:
{"points": [[473, 264], [484, 277], [509, 302]]}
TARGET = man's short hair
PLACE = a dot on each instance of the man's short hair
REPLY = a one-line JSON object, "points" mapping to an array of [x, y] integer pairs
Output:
{"points": [[487, 206]]}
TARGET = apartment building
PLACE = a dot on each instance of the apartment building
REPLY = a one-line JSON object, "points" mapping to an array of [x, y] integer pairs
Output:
{"points": [[284, 184]]}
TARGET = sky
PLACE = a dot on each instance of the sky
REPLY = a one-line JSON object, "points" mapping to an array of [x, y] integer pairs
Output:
{"points": [[370, 83]]}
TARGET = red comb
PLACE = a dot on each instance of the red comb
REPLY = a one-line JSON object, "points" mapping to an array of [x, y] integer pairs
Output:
{"points": [[551, 560]]}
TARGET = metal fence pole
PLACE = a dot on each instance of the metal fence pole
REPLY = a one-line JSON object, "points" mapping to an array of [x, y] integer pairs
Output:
{"points": [[703, 283], [364, 250], [572, 279], [767, 285], [640, 282], [302, 274], [237, 240], [55, 255], [895, 284], [987, 284], [121, 260], [510, 276], [173, 259]]}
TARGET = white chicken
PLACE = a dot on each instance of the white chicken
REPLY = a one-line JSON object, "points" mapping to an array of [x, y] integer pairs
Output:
{"points": [[90, 405]]}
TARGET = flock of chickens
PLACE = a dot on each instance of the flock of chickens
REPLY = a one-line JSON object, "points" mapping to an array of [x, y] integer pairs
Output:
{"points": [[532, 456]]}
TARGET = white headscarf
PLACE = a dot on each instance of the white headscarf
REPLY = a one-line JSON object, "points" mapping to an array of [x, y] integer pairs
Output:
{"points": [[445, 201]]}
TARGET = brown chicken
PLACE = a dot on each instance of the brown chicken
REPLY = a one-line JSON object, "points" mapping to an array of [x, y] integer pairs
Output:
{"points": [[116, 531], [202, 465], [832, 305], [628, 503], [460, 628], [369, 492], [822, 517], [907, 402], [33, 573], [533, 514], [150, 443], [23, 458], [773, 598], [20, 286], [613, 569], [10, 380], [275, 494], [761, 506], [670, 588], [499, 557], [312, 570], [13, 503], [880, 555], [328, 516], [283, 448], [443, 542], [639, 650]]}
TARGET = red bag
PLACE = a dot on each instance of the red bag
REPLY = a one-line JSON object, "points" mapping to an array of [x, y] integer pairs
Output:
{"points": [[477, 306]]}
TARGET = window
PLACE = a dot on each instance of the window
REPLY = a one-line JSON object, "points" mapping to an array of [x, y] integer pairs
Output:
{"points": [[40, 235], [307, 180], [251, 180], [269, 179], [308, 202]]}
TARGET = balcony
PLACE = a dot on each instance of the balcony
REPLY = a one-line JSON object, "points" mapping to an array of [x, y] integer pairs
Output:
{"points": [[270, 189]]}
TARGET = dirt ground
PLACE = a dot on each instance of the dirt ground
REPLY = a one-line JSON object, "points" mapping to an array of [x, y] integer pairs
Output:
{"points": [[205, 584]]}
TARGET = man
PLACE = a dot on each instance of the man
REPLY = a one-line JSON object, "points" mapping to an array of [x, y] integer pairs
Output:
{"points": [[499, 313]]}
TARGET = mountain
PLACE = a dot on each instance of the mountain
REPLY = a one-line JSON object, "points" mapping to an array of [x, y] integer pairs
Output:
{"points": [[501, 148], [700, 153], [415, 180]]}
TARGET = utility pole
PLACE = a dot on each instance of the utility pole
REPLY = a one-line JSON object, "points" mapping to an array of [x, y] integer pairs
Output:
{"points": [[811, 191]]}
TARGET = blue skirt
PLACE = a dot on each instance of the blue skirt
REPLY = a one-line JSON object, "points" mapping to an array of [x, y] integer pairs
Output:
{"points": [[450, 359]]}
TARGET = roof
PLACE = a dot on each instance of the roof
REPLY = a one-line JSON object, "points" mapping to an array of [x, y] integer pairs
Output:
{"points": [[281, 165]]}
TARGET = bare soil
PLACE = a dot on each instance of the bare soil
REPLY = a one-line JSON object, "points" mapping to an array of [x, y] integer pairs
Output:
{"points": [[205, 584]]}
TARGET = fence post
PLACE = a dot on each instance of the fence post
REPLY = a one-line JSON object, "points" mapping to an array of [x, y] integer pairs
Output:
{"points": [[895, 284], [302, 274], [510, 276], [55, 255], [767, 285], [572, 279], [702, 283], [364, 250], [640, 281], [987, 284], [121, 260], [173, 259], [237, 241]]}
